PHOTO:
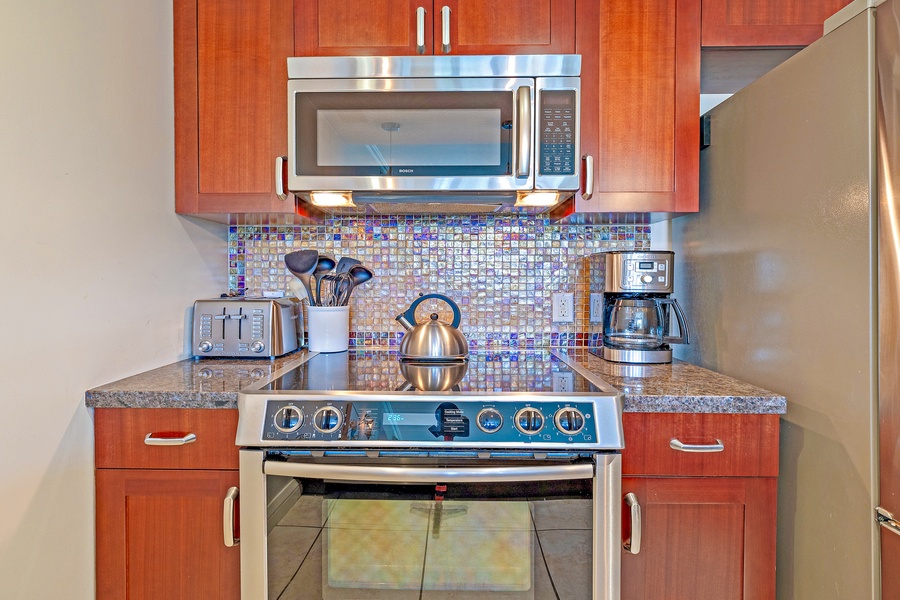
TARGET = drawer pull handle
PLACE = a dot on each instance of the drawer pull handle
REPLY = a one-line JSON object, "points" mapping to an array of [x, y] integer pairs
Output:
{"points": [[677, 444], [152, 440], [633, 543], [228, 518]]}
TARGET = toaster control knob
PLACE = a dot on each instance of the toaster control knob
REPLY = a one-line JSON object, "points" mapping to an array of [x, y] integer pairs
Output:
{"points": [[205, 346], [569, 420], [257, 346], [327, 419], [529, 421], [288, 419]]}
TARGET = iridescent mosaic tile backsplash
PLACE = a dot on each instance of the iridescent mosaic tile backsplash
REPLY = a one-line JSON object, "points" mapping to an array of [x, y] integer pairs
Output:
{"points": [[500, 270]]}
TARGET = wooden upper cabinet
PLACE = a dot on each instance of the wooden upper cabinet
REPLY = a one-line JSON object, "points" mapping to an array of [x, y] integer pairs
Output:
{"points": [[640, 104], [765, 22], [230, 104], [390, 27]]}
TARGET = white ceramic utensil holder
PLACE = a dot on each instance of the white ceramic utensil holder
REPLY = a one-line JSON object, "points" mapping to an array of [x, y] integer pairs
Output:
{"points": [[329, 328]]}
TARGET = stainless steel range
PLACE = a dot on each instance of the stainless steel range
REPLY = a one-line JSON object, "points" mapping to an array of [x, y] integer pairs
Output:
{"points": [[356, 485]]}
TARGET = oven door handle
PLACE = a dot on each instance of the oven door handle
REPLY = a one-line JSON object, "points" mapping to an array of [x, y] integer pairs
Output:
{"points": [[409, 474]]}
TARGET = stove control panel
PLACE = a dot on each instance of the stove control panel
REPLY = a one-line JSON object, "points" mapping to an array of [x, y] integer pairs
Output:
{"points": [[362, 421]]}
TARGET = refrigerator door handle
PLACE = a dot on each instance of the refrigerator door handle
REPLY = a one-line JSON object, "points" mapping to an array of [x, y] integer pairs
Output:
{"points": [[887, 520]]}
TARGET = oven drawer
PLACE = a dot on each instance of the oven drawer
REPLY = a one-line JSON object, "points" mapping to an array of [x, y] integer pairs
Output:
{"points": [[180, 438], [740, 445]]}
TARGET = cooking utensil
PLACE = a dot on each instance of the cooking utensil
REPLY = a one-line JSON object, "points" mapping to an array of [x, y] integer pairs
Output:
{"points": [[298, 289], [324, 265], [433, 340], [345, 263], [301, 264], [358, 274]]}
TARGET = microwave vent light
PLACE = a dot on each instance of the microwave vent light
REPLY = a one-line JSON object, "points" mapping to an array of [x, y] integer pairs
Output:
{"points": [[537, 198], [331, 199]]}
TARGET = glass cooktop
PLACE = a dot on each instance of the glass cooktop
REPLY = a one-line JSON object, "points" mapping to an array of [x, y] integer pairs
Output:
{"points": [[532, 371]]}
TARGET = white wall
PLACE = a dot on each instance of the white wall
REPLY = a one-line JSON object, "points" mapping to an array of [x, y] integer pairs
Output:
{"points": [[98, 272]]}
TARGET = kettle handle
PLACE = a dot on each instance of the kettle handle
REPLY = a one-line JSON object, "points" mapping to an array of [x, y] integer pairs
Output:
{"points": [[410, 315], [685, 337]]}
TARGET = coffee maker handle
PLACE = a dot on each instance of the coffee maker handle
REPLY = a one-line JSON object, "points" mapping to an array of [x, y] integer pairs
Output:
{"points": [[683, 330]]}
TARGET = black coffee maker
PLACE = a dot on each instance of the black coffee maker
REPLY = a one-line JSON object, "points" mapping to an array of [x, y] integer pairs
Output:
{"points": [[636, 308]]}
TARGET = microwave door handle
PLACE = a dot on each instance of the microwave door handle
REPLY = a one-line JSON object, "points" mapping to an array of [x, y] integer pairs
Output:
{"points": [[280, 162], [410, 474], [420, 30], [523, 125]]}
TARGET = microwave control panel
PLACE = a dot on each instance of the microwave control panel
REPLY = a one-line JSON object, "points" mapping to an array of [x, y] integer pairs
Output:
{"points": [[557, 127]]}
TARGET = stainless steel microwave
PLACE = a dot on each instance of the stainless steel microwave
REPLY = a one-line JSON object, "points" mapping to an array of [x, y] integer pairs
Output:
{"points": [[438, 131]]}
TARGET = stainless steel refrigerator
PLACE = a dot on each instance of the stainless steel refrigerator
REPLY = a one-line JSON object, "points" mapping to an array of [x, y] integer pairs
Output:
{"points": [[791, 278]]}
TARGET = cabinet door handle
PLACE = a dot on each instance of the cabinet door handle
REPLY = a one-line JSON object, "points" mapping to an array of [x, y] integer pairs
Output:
{"points": [[523, 129], [158, 439], [588, 176], [420, 30], [280, 162], [445, 30], [228, 517], [677, 444], [633, 543]]}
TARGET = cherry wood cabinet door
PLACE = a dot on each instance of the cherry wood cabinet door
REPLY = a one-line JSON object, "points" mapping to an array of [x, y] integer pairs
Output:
{"points": [[765, 22], [640, 99], [709, 538], [160, 535], [230, 104], [389, 27], [507, 26], [359, 27]]}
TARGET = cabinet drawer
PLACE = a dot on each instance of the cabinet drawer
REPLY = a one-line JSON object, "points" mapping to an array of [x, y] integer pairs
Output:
{"points": [[120, 435], [750, 444]]}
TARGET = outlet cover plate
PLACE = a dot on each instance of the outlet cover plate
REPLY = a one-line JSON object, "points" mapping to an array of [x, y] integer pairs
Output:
{"points": [[563, 307]]}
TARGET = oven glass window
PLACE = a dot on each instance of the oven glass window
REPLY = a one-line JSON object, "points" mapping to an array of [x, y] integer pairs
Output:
{"points": [[369, 541], [404, 134]]}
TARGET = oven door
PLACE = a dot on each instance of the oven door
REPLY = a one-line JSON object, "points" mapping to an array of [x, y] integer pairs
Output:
{"points": [[431, 528], [411, 135]]}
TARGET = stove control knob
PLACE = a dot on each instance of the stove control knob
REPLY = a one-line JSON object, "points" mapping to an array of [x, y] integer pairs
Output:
{"points": [[489, 420], [205, 346], [529, 421], [288, 419], [327, 419], [569, 420]]}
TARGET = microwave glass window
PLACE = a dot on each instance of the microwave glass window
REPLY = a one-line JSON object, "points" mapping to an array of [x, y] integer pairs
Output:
{"points": [[404, 134], [408, 137]]}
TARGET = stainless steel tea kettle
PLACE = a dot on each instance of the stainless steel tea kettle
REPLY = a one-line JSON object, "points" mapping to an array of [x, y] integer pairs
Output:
{"points": [[432, 340]]}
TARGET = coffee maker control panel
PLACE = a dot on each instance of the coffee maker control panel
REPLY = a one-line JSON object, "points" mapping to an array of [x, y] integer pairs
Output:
{"points": [[648, 272]]}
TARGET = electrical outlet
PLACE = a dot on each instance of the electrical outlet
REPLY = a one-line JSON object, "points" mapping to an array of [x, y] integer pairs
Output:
{"points": [[563, 382], [596, 308], [563, 307]]}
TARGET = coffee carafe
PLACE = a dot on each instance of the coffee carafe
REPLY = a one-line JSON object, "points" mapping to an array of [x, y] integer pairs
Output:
{"points": [[637, 308]]}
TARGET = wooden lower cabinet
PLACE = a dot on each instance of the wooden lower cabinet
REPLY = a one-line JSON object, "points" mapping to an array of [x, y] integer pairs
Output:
{"points": [[160, 535], [703, 539], [160, 509], [708, 519]]}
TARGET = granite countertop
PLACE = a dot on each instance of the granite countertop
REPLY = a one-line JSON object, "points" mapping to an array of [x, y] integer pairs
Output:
{"points": [[191, 383], [678, 387], [215, 382]]}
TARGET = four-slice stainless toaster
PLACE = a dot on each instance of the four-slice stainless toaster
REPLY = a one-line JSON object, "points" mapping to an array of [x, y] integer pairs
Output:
{"points": [[243, 327]]}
